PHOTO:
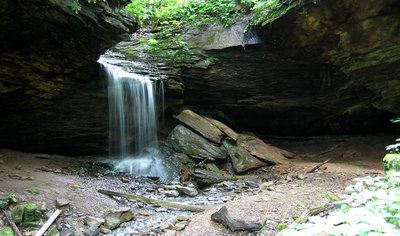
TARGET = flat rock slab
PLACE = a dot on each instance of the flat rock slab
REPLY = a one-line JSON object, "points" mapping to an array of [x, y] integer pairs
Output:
{"points": [[188, 142], [201, 125], [261, 150]]}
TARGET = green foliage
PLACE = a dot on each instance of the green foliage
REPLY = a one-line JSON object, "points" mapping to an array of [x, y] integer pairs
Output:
{"points": [[394, 148], [267, 11], [300, 204], [210, 61], [395, 120], [280, 226], [168, 18], [76, 6], [155, 12], [331, 197]]}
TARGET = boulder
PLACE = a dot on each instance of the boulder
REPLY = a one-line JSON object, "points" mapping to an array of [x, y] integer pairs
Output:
{"points": [[188, 142], [114, 218], [391, 162], [242, 160], [62, 202], [261, 150], [201, 125]]}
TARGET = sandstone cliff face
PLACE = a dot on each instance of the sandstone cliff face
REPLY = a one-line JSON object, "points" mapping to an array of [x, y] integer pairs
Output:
{"points": [[51, 96], [333, 69]]}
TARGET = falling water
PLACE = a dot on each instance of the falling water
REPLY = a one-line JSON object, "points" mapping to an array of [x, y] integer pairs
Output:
{"points": [[133, 142]]}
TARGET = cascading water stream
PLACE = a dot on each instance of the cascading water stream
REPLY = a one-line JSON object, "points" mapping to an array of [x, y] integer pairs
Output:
{"points": [[133, 141]]}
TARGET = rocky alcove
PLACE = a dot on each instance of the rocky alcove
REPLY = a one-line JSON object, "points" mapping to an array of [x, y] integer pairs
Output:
{"points": [[241, 123]]}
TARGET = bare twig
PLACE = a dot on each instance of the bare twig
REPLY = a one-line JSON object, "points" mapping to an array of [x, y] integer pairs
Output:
{"points": [[48, 223], [318, 166], [12, 224]]}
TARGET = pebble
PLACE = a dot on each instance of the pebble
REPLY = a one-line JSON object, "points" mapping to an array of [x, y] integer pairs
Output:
{"points": [[180, 225], [190, 191], [171, 193], [125, 180], [226, 198], [349, 189], [169, 232], [62, 202], [167, 225], [182, 218]]}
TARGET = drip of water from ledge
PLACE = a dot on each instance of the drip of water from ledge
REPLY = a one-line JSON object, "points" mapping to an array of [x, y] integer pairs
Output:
{"points": [[133, 141]]}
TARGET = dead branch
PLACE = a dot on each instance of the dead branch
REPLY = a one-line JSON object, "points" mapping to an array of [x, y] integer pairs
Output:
{"points": [[12, 224], [222, 216], [318, 166], [152, 201], [48, 223], [309, 212]]}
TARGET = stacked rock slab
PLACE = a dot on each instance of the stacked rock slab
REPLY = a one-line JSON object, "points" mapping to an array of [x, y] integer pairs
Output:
{"points": [[204, 138]]}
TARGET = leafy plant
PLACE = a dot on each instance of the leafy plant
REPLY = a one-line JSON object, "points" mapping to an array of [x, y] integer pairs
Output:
{"points": [[210, 61], [394, 148], [76, 6]]}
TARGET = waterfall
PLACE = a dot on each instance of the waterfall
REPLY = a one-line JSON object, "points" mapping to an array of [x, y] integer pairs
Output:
{"points": [[133, 141]]}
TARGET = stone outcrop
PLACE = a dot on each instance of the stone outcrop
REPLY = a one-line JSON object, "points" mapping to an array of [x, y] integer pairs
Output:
{"points": [[246, 151], [51, 95], [332, 70]]}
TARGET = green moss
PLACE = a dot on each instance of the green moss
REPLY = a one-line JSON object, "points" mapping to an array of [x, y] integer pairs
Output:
{"points": [[53, 232], [31, 213], [391, 162], [34, 190], [17, 214], [331, 197], [4, 204], [280, 226], [7, 231], [184, 159]]}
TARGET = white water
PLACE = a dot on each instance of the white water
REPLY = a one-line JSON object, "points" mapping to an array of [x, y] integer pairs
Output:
{"points": [[133, 141]]}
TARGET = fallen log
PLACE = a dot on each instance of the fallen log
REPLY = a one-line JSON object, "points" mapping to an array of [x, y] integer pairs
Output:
{"points": [[222, 216], [48, 223], [309, 212], [318, 166], [152, 201], [12, 224]]}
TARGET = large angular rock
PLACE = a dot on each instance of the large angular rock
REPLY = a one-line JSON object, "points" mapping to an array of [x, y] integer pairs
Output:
{"points": [[114, 218], [201, 125], [263, 151], [242, 160], [186, 141]]}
